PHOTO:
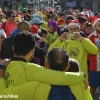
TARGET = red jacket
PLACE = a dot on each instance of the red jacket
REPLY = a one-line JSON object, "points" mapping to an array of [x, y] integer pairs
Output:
{"points": [[94, 59]]}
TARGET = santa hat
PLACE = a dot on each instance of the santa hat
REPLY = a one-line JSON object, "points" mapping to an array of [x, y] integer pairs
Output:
{"points": [[61, 23], [82, 16], [95, 21], [34, 30], [74, 22]]}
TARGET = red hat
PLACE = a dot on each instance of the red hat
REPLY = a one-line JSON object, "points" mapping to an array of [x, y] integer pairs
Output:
{"points": [[82, 16], [61, 23], [74, 22], [34, 30], [95, 20]]}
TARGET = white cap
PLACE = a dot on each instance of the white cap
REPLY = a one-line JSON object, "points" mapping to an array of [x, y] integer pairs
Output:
{"points": [[2, 32]]}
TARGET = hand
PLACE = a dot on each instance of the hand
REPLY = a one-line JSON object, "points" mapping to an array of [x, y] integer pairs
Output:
{"points": [[43, 40], [78, 37], [86, 83], [5, 62], [63, 36]]}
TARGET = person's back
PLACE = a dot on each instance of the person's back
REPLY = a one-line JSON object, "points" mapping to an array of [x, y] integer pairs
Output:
{"points": [[21, 92], [57, 60], [38, 92], [20, 70]]}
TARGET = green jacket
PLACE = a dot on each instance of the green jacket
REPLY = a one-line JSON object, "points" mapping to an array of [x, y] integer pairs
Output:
{"points": [[50, 38], [39, 91], [77, 50], [19, 72]]}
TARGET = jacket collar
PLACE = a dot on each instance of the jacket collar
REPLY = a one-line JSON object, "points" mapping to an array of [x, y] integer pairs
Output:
{"points": [[18, 59]]}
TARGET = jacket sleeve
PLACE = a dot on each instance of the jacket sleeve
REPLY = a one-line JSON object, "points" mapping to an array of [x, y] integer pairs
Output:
{"points": [[39, 52], [58, 43], [41, 74], [2, 84], [90, 47]]}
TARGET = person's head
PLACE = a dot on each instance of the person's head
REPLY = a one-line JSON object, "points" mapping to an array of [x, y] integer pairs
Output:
{"points": [[27, 18], [57, 59], [74, 66], [45, 11], [73, 26], [67, 18], [23, 45], [52, 26], [88, 28], [17, 20], [47, 18], [54, 17], [43, 33], [29, 12], [82, 21], [2, 36], [34, 30], [36, 22], [62, 16], [96, 25], [24, 13], [23, 26], [10, 16]]}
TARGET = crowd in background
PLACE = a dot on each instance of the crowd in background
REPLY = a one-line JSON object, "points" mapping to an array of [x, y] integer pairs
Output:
{"points": [[50, 28]]}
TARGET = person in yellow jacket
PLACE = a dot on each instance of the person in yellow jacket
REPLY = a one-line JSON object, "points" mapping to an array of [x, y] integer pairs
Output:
{"points": [[20, 70], [77, 46], [41, 91], [52, 34]]}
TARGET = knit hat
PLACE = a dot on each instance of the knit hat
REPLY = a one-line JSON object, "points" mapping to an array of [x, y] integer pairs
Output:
{"points": [[82, 16], [34, 30], [54, 24], [39, 16], [74, 22], [95, 21], [35, 21], [61, 23], [2, 32]]}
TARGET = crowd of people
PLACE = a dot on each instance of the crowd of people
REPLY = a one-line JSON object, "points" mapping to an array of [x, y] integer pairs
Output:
{"points": [[49, 54]]}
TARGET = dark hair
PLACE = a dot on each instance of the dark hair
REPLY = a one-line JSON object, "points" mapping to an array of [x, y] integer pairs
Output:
{"points": [[28, 11], [61, 14], [43, 30], [23, 42], [69, 17], [8, 14], [58, 59], [24, 11], [81, 20], [74, 66], [27, 18], [48, 16], [88, 24]]}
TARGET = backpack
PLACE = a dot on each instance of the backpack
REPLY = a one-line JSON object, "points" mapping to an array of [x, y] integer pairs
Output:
{"points": [[61, 93]]}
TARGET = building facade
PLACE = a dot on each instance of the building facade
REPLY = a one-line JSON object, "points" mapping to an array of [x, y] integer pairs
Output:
{"points": [[93, 4]]}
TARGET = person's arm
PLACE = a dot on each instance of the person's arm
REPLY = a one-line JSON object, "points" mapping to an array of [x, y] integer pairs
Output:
{"points": [[60, 42], [41, 74], [90, 47], [2, 80]]}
